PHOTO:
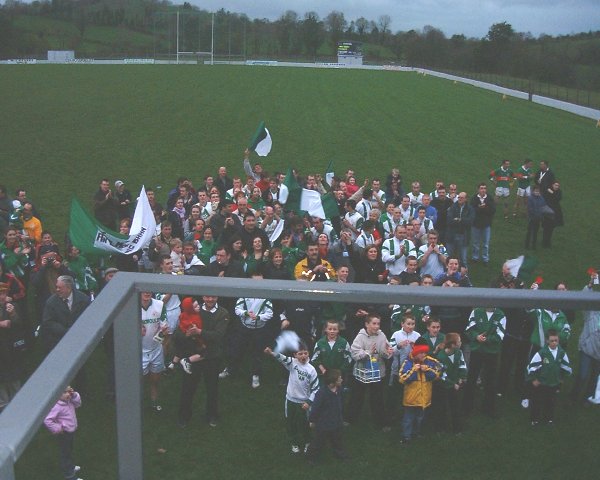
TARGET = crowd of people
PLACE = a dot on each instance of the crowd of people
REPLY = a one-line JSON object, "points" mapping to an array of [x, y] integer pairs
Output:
{"points": [[249, 227]]}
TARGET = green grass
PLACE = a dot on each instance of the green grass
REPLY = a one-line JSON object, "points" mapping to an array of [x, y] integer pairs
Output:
{"points": [[66, 127]]}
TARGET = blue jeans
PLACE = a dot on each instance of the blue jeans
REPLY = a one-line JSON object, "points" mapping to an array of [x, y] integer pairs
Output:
{"points": [[480, 236], [411, 422]]}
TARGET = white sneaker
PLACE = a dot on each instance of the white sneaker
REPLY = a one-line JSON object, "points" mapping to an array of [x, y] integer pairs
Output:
{"points": [[186, 365], [255, 381], [525, 403], [306, 445], [225, 373], [295, 449], [76, 468]]}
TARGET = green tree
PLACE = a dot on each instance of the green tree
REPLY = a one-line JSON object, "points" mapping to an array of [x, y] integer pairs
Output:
{"points": [[312, 33], [335, 23]]}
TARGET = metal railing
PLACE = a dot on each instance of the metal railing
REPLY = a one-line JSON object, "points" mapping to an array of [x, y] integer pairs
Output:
{"points": [[119, 304]]}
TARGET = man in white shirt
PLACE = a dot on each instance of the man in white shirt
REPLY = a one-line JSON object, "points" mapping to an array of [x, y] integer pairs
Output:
{"points": [[395, 251]]}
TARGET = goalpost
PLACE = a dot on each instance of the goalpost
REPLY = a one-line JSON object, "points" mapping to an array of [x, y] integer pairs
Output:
{"points": [[198, 55], [178, 40]]}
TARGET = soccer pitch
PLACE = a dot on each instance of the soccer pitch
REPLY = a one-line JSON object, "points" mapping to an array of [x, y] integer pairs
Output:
{"points": [[66, 127]]}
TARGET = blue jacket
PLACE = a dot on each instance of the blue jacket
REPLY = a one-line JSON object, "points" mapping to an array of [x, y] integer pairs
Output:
{"points": [[326, 410], [535, 207]]}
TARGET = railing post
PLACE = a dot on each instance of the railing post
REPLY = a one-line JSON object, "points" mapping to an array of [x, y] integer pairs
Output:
{"points": [[7, 466], [128, 383]]}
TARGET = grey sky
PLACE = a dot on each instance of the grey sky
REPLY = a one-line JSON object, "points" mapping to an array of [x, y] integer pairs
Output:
{"points": [[470, 17]]}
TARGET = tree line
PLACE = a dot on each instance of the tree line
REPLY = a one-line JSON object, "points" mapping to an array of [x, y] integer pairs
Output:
{"points": [[566, 60]]}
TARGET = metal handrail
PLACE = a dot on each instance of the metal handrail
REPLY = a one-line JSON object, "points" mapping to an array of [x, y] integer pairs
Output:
{"points": [[119, 304]]}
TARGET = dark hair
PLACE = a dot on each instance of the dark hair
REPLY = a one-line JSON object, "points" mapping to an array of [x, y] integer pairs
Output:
{"points": [[331, 376], [189, 244], [227, 249], [368, 224]]}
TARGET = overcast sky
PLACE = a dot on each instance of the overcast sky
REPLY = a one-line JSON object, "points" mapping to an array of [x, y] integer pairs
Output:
{"points": [[469, 17]]}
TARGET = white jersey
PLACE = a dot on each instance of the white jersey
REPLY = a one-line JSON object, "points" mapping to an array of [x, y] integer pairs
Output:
{"points": [[153, 319], [356, 220], [174, 302], [327, 230], [390, 248], [303, 382], [415, 199], [382, 197], [364, 239], [364, 208], [408, 214], [389, 226]]}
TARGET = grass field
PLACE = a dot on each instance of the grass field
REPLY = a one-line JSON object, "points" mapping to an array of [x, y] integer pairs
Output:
{"points": [[65, 127]]}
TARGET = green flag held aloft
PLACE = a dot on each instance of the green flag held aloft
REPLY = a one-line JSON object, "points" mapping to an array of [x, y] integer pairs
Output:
{"points": [[261, 142]]}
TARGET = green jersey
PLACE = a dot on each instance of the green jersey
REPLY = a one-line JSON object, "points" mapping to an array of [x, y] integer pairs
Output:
{"points": [[502, 177], [489, 324], [548, 366], [524, 176]]}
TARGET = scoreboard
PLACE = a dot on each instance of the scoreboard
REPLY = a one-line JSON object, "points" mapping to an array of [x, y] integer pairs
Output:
{"points": [[350, 53]]}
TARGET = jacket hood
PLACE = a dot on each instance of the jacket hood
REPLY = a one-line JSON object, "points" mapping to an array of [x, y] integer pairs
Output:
{"points": [[187, 305]]}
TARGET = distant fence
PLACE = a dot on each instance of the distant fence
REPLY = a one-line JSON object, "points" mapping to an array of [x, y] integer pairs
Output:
{"points": [[577, 96]]}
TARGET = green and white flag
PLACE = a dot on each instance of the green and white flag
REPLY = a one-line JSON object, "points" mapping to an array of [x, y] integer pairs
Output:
{"points": [[522, 267], [294, 192], [261, 142], [317, 205], [275, 234], [329, 174], [91, 237]]}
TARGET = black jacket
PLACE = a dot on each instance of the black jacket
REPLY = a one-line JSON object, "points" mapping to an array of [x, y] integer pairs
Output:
{"points": [[58, 318]]}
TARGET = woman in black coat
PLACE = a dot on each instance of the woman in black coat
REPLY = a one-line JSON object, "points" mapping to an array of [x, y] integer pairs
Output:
{"points": [[368, 265]]}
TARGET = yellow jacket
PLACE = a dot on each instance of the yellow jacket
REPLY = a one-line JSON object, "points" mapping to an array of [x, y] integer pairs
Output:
{"points": [[418, 383], [302, 271]]}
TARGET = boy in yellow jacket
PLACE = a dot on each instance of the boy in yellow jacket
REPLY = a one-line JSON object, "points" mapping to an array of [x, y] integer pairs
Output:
{"points": [[417, 374]]}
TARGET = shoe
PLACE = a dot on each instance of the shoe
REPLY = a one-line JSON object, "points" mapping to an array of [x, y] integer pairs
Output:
{"points": [[295, 449], [76, 469], [550, 423], [255, 381], [225, 373], [212, 422], [306, 445], [525, 403], [156, 407], [171, 366], [186, 365]]}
